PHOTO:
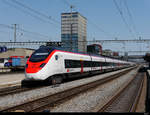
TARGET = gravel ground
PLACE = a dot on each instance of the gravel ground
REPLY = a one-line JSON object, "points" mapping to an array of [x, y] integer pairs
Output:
{"points": [[11, 100], [85, 102]]}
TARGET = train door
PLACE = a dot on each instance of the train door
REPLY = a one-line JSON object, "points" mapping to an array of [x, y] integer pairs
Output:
{"points": [[91, 63], [59, 63], [101, 69], [105, 65], [81, 62]]}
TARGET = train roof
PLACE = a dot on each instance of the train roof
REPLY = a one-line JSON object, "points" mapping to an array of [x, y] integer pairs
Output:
{"points": [[62, 49]]}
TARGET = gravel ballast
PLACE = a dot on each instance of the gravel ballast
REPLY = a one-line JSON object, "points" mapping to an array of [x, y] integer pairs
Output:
{"points": [[85, 102]]}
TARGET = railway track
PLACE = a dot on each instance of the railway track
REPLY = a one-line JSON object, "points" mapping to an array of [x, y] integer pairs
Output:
{"points": [[15, 89], [125, 100], [9, 90], [57, 98]]}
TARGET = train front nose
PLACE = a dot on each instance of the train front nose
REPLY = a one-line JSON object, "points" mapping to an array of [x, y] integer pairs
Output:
{"points": [[33, 67], [32, 70], [37, 61]]}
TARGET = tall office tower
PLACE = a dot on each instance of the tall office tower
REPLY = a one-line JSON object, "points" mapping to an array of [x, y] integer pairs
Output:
{"points": [[73, 32]]}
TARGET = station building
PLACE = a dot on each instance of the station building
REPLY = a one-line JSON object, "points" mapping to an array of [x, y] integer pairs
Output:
{"points": [[73, 32]]}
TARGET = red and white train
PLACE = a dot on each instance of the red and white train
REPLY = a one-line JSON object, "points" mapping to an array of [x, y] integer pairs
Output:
{"points": [[50, 64]]}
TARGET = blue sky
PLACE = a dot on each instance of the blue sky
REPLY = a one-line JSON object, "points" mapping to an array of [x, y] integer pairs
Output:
{"points": [[102, 13]]}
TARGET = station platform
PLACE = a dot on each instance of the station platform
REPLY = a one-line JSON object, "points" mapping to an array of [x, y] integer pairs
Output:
{"points": [[141, 106], [11, 79], [148, 91]]}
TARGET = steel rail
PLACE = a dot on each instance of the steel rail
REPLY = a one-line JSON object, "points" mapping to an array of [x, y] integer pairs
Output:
{"points": [[16, 89], [137, 97], [133, 104]]}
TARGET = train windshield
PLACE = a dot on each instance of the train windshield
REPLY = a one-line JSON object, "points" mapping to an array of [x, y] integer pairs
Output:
{"points": [[40, 54]]}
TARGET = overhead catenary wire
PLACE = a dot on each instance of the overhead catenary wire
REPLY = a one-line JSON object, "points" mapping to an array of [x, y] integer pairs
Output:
{"points": [[35, 11], [130, 16], [26, 12], [90, 22], [123, 18], [4, 32], [30, 11], [26, 31], [27, 36]]}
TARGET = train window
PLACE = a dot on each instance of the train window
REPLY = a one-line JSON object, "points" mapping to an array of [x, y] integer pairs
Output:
{"points": [[105, 64], [92, 64], [56, 57], [86, 63], [40, 54], [72, 64], [77, 64], [67, 64]]}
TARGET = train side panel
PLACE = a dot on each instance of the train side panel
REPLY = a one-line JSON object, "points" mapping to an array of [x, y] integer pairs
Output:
{"points": [[64, 64]]}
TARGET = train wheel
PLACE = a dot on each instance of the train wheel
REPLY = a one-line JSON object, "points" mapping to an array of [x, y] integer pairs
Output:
{"points": [[53, 81], [56, 80]]}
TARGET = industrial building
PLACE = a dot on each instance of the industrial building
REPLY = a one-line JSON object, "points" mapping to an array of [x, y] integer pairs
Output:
{"points": [[73, 32], [94, 49], [16, 52]]}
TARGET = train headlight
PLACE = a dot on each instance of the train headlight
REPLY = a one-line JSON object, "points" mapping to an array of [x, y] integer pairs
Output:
{"points": [[42, 65]]}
